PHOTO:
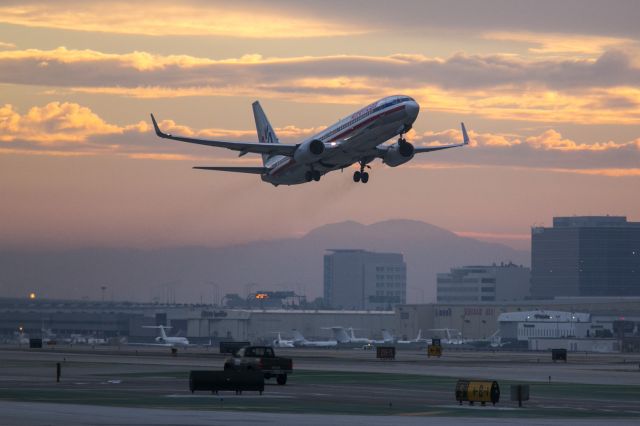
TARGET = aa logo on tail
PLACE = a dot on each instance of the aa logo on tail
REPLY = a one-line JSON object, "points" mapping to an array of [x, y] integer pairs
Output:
{"points": [[267, 137]]}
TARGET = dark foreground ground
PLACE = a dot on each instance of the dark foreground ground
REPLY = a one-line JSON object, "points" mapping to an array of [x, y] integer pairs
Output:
{"points": [[343, 385]]}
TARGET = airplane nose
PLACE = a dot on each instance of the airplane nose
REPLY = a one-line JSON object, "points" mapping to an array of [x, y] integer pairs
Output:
{"points": [[412, 109]]}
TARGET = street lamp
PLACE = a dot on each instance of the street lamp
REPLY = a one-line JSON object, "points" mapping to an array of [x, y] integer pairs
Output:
{"points": [[215, 291]]}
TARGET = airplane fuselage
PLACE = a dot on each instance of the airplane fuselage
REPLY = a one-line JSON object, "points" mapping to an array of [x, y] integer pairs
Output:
{"points": [[172, 341], [349, 140]]}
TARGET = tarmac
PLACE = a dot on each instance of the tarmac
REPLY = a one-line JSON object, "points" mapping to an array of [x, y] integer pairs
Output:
{"points": [[123, 385]]}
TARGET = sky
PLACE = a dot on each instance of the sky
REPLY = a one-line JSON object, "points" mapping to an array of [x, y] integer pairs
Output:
{"points": [[549, 90]]}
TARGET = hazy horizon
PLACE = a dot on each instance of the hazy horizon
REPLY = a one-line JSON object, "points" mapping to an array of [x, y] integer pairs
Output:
{"points": [[189, 274]]}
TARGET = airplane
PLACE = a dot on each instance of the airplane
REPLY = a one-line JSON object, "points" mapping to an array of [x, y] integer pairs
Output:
{"points": [[300, 341], [280, 343], [388, 338], [340, 335], [454, 336], [358, 138], [418, 339], [343, 338], [75, 339], [164, 340], [21, 337]]}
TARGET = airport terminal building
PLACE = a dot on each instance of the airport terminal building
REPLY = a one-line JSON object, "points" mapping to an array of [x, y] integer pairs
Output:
{"points": [[608, 318]]}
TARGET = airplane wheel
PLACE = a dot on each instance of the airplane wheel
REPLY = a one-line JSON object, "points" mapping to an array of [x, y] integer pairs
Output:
{"points": [[365, 177], [308, 176], [356, 176], [316, 175]]}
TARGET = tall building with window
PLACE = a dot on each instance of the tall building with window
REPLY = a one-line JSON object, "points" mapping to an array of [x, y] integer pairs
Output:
{"points": [[586, 256], [504, 282], [359, 279]]}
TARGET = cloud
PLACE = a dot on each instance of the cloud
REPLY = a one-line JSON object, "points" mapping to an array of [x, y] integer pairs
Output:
{"points": [[503, 87], [337, 73], [602, 172], [55, 122], [172, 18], [562, 43], [552, 140], [5, 45]]}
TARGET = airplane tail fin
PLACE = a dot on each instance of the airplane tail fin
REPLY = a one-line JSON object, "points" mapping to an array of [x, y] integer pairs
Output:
{"points": [[162, 329], [297, 336], [386, 336], [162, 332], [340, 335], [266, 133], [419, 335]]}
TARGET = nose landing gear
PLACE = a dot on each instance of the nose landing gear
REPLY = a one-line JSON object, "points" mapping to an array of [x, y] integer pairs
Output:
{"points": [[361, 175]]}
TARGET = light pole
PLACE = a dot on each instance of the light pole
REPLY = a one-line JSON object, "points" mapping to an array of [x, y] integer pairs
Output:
{"points": [[215, 291], [248, 288]]}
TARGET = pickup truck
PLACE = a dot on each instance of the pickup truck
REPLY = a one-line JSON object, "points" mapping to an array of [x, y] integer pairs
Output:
{"points": [[260, 358]]}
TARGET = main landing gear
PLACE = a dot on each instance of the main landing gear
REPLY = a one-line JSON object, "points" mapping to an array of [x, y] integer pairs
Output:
{"points": [[361, 175], [312, 175]]}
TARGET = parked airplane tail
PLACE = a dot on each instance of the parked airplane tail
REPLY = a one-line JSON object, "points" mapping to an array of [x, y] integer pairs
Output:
{"points": [[340, 335], [297, 336], [162, 328], [386, 336], [264, 129]]}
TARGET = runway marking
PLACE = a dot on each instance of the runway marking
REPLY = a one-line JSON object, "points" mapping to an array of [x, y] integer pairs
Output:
{"points": [[423, 413], [478, 406], [229, 396]]}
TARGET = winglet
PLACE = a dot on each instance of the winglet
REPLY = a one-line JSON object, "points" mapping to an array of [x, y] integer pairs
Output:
{"points": [[157, 129], [465, 136]]}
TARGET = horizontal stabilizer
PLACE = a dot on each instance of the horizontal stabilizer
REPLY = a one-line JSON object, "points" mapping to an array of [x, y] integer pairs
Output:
{"points": [[253, 170]]}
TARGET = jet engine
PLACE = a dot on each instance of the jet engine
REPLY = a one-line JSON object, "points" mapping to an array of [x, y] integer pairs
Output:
{"points": [[309, 151], [398, 153]]}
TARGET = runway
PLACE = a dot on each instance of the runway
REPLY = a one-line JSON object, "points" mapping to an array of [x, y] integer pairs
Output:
{"points": [[345, 383]]}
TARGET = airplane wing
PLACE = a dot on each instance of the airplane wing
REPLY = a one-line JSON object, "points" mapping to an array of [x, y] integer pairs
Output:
{"points": [[254, 170], [243, 147], [465, 141]]}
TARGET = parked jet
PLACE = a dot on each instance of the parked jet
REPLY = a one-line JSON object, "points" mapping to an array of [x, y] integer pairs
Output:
{"points": [[417, 341], [164, 340], [300, 341], [344, 338], [452, 336], [358, 138], [280, 343]]}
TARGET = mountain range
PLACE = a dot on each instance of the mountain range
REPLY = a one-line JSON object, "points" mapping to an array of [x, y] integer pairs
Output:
{"points": [[193, 274]]}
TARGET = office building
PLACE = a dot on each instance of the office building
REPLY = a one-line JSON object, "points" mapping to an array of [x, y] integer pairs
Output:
{"points": [[586, 256], [504, 282], [359, 279]]}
